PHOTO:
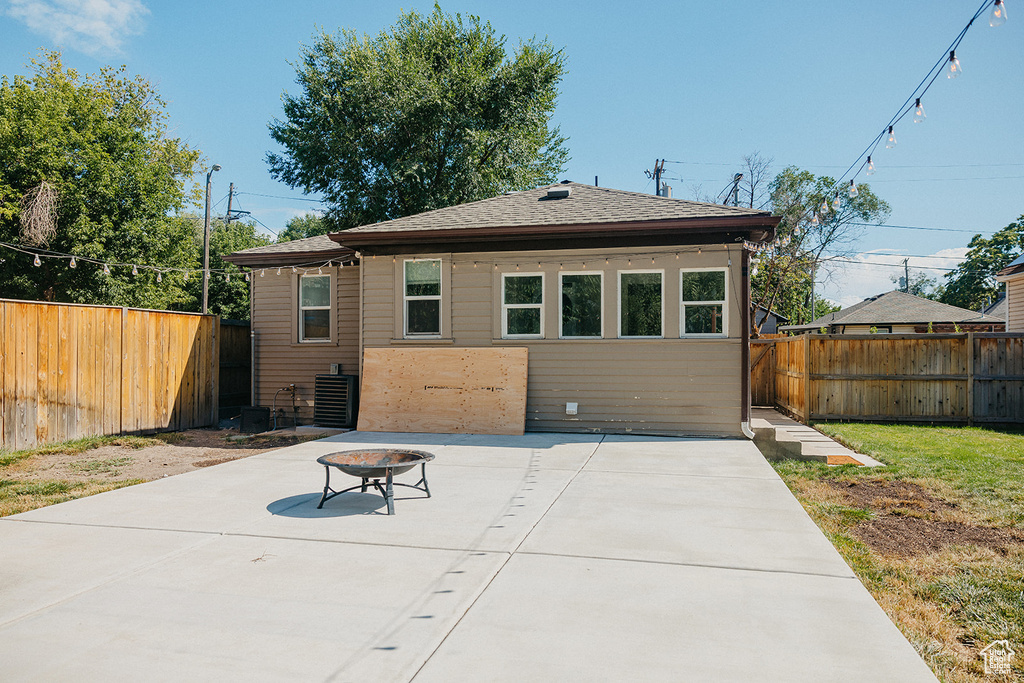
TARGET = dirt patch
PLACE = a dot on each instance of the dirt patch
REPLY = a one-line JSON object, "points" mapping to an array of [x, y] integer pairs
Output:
{"points": [[912, 536], [909, 520], [180, 452]]}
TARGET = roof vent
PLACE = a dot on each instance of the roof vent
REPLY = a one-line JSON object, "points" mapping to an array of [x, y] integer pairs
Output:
{"points": [[558, 193]]}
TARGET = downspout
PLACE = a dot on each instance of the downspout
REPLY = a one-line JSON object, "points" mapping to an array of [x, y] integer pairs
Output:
{"points": [[745, 345], [252, 342]]}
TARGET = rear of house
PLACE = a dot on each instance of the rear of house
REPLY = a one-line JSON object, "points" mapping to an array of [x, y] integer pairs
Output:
{"points": [[634, 308], [1013, 276]]}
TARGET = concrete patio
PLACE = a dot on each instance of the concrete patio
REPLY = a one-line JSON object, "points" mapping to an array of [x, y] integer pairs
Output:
{"points": [[542, 557]]}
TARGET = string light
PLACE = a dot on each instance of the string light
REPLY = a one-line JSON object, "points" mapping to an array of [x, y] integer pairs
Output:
{"points": [[263, 271], [853, 189], [106, 269], [890, 142], [135, 269], [247, 278], [278, 271], [73, 263], [871, 166], [36, 261], [837, 203], [919, 115], [953, 69], [186, 276], [227, 277], [824, 206], [814, 219], [159, 276], [998, 15], [294, 270]]}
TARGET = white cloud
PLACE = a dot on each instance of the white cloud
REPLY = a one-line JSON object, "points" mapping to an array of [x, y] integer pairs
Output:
{"points": [[91, 26], [867, 273]]}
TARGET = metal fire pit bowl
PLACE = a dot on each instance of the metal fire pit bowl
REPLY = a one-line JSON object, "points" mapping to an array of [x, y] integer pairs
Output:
{"points": [[372, 464]]}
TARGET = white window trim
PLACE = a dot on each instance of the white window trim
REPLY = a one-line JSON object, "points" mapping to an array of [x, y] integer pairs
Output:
{"points": [[505, 307], [580, 272], [724, 303], [330, 305], [406, 299], [618, 312]]}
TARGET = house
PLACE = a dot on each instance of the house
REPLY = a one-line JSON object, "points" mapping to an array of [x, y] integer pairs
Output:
{"points": [[897, 312], [997, 309], [768, 322], [632, 306], [1013, 276]]}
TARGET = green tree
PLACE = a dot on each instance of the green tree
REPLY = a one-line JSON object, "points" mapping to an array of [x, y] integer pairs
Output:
{"points": [[973, 284], [920, 285], [229, 291], [300, 227], [427, 114], [86, 168], [808, 237]]}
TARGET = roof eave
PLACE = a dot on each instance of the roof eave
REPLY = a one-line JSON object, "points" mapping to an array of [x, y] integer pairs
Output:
{"points": [[764, 225], [290, 258]]}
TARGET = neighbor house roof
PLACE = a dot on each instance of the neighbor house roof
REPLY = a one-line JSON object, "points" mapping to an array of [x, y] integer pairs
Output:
{"points": [[1016, 266], [897, 308], [998, 309], [308, 250], [585, 212]]}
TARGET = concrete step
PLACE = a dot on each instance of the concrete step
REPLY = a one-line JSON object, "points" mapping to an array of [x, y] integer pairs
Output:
{"points": [[779, 437]]}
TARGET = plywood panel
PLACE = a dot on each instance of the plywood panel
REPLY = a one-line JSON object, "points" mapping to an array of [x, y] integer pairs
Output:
{"points": [[444, 391]]}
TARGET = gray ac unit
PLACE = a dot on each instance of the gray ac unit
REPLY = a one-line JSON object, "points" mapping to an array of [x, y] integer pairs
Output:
{"points": [[334, 401]]}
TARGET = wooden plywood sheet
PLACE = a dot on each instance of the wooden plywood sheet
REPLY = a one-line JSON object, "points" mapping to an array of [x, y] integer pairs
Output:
{"points": [[444, 391]]}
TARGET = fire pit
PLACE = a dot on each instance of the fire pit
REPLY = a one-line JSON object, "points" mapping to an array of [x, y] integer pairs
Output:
{"points": [[371, 464]]}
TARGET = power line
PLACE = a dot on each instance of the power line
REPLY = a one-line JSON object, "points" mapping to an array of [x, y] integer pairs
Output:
{"points": [[915, 227], [275, 196]]}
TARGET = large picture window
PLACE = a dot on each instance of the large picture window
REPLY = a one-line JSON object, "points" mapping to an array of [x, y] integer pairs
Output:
{"points": [[640, 303], [522, 302], [702, 301], [580, 301], [314, 308], [423, 297]]}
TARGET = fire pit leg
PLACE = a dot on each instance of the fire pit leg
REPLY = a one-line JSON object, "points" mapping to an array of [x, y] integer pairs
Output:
{"points": [[423, 479], [363, 489], [327, 487], [390, 495]]}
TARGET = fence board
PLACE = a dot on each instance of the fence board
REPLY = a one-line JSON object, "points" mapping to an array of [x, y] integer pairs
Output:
{"points": [[71, 371], [955, 378]]}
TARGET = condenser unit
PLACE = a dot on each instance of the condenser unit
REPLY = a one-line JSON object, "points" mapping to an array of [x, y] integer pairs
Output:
{"points": [[334, 401]]}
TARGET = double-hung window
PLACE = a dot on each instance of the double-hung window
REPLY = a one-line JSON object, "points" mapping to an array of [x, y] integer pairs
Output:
{"points": [[702, 303], [422, 298], [641, 297], [522, 303], [581, 296], [314, 308]]}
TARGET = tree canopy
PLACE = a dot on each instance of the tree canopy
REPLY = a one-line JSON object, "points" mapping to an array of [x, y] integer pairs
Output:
{"points": [[87, 168], [808, 236], [973, 284], [427, 114], [301, 227]]}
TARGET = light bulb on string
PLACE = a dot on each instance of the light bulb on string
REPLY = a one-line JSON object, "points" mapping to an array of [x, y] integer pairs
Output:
{"points": [[135, 269], [227, 277], [36, 261], [294, 270], [871, 167], [890, 142], [919, 115], [320, 271], [953, 69], [837, 202], [247, 278], [796, 229], [853, 189], [106, 269], [998, 15], [73, 263], [824, 206], [186, 276], [814, 220], [263, 272], [278, 271], [159, 276]]}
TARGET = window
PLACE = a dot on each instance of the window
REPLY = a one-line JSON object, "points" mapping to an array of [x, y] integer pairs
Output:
{"points": [[640, 303], [580, 299], [522, 299], [314, 308], [702, 302], [423, 297]]}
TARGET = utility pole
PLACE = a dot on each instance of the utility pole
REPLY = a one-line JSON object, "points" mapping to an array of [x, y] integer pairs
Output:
{"points": [[206, 243], [659, 166], [906, 276], [736, 189], [231, 195]]}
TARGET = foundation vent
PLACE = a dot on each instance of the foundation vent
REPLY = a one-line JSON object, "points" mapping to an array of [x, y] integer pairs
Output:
{"points": [[334, 401]]}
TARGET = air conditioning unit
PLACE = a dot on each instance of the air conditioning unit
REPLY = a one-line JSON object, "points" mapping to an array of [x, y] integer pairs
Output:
{"points": [[334, 401]]}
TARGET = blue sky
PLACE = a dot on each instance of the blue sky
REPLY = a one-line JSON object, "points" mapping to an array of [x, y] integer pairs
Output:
{"points": [[805, 83]]}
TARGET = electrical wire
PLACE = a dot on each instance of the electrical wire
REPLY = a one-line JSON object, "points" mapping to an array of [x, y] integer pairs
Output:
{"points": [[274, 196]]}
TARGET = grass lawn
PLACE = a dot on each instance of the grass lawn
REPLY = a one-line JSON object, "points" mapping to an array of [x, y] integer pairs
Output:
{"points": [[937, 535]]}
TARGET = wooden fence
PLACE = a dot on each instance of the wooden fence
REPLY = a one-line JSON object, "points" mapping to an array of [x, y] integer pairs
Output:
{"points": [[952, 378], [70, 371]]}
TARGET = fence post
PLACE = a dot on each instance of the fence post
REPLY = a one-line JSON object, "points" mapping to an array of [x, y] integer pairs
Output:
{"points": [[970, 379], [807, 378]]}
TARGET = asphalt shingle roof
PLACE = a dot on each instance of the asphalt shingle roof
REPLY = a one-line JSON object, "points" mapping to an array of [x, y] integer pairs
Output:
{"points": [[585, 205], [900, 308], [308, 245]]}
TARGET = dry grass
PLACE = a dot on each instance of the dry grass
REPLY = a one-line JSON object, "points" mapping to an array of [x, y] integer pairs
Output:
{"points": [[952, 602]]}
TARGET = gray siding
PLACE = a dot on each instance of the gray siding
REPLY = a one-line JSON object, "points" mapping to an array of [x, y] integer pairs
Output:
{"points": [[280, 359], [1015, 304], [670, 385]]}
